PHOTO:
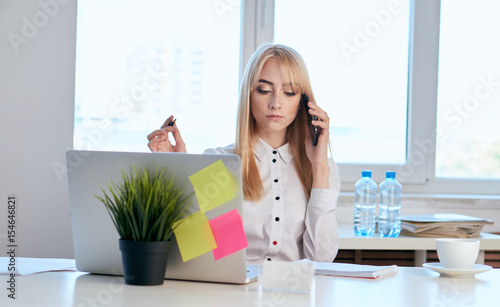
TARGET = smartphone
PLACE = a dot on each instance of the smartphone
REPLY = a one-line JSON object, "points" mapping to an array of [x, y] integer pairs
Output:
{"points": [[314, 129]]}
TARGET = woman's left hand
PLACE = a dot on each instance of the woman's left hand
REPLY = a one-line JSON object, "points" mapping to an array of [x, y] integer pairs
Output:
{"points": [[318, 155]]}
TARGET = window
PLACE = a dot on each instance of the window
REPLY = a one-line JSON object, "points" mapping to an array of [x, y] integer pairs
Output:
{"points": [[438, 38], [408, 85], [358, 64], [469, 90], [138, 62]]}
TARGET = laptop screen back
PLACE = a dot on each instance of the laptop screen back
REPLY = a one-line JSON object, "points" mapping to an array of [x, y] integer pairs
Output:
{"points": [[95, 237]]}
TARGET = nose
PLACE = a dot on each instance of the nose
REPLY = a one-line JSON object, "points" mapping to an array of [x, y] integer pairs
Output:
{"points": [[275, 102]]}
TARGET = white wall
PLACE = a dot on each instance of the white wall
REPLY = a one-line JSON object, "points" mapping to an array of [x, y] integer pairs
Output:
{"points": [[36, 121]]}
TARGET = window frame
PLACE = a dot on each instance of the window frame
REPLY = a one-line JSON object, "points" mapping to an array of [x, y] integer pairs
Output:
{"points": [[418, 174]]}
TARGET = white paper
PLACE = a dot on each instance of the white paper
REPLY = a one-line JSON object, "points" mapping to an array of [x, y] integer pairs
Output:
{"points": [[290, 276], [352, 270], [26, 266]]}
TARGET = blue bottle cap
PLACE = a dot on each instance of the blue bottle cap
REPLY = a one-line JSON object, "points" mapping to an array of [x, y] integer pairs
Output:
{"points": [[366, 174], [390, 175]]}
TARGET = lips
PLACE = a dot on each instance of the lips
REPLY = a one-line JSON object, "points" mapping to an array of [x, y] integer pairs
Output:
{"points": [[274, 117]]}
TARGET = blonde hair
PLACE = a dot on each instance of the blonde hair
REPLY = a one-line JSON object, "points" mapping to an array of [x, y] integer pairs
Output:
{"points": [[295, 72]]}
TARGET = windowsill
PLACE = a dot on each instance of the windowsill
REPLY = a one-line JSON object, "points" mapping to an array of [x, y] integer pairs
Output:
{"points": [[483, 206], [438, 200]]}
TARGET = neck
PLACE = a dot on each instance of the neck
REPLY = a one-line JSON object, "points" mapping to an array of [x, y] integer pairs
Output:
{"points": [[273, 139]]}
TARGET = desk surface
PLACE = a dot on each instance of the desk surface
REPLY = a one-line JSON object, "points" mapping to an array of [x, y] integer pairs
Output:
{"points": [[410, 287], [347, 240]]}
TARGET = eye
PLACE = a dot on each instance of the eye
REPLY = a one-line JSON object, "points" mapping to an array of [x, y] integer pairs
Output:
{"points": [[263, 91], [290, 94]]}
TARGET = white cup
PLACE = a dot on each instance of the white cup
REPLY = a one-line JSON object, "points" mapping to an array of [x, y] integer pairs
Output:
{"points": [[457, 253]]}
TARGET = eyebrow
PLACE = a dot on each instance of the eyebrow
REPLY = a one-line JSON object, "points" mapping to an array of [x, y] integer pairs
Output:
{"points": [[270, 83], [265, 81]]}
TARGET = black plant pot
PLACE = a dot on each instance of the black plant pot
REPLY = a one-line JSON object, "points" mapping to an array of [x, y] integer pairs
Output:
{"points": [[144, 263]]}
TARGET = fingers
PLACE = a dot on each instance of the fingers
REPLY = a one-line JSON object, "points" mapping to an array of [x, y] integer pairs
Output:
{"points": [[322, 120], [155, 134], [177, 137], [168, 121], [159, 142], [159, 139], [170, 126]]}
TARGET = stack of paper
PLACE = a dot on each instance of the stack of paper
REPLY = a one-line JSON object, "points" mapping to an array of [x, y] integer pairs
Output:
{"points": [[353, 270], [443, 225], [27, 266]]}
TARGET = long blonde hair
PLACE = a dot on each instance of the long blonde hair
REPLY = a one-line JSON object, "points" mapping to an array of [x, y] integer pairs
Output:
{"points": [[295, 72]]}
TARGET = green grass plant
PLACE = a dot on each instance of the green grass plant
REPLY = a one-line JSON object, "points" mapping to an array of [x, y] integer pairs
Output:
{"points": [[144, 207]]}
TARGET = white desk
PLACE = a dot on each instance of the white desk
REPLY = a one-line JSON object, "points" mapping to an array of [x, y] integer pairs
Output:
{"points": [[410, 287], [347, 240]]}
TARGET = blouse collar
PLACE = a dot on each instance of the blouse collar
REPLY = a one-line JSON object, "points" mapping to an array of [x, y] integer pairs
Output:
{"points": [[262, 149]]}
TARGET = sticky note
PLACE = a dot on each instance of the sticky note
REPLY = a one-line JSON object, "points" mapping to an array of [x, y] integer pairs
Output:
{"points": [[213, 186], [228, 233], [194, 236]]}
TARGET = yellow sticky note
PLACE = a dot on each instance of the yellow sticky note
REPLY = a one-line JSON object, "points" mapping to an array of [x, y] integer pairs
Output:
{"points": [[194, 236], [213, 186]]}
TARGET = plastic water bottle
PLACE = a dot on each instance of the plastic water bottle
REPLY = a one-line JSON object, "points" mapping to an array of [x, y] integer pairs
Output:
{"points": [[365, 205], [389, 214]]}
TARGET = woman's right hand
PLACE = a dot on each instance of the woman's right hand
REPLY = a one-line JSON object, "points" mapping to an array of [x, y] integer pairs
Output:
{"points": [[158, 139]]}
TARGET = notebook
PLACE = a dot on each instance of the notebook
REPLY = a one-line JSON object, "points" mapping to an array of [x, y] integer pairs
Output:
{"points": [[95, 237], [353, 270]]}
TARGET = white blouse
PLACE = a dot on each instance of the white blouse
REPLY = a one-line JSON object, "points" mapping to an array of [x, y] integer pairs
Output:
{"points": [[284, 225]]}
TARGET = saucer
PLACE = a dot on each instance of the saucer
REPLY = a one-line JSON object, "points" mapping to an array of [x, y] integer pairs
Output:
{"points": [[476, 269]]}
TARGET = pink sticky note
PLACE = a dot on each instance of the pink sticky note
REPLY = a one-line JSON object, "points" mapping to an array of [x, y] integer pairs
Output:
{"points": [[228, 233]]}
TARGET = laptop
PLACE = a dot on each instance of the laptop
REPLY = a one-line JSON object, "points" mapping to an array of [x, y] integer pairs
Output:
{"points": [[95, 236]]}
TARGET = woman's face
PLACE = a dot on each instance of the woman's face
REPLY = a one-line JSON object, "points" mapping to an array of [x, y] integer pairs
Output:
{"points": [[273, 102]]}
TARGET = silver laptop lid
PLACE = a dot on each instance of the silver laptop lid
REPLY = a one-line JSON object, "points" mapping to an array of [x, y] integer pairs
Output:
{"points": [[95, 237]]}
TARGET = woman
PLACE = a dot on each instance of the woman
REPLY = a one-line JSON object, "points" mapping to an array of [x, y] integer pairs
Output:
{"points": [[290, 186]]}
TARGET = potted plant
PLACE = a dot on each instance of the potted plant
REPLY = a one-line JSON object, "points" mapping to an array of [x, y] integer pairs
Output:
{"points": [[143, 209]]}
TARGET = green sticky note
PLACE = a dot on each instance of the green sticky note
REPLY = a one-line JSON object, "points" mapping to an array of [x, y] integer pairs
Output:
{"points": [[213, 186], [194, 236]]}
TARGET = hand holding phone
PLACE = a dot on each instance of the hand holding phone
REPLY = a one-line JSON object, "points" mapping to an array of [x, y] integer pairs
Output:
{"points": [[314, 129]]}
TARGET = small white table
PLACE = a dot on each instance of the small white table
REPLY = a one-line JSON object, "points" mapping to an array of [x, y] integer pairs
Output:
{"points": [[347, 240]]}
